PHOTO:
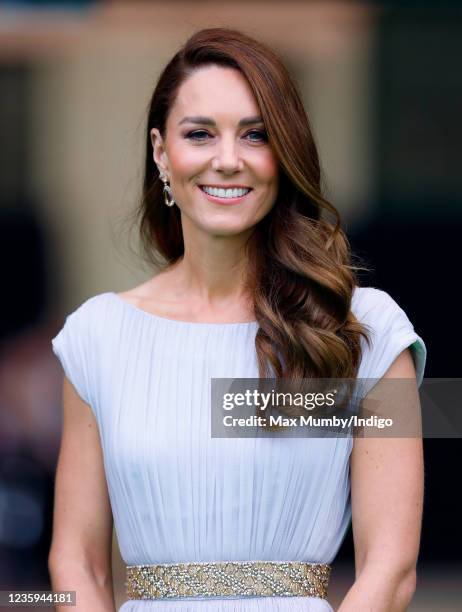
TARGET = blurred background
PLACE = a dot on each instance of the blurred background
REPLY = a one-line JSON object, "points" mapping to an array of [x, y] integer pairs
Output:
{"points": [[383, 88]]}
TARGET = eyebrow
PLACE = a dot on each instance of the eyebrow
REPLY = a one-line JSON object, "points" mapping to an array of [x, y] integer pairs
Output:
{"points": [[208, 121]]}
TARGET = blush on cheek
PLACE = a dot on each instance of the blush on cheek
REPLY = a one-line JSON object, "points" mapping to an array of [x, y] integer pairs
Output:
{"points": [[268, 166], [185, 161]]}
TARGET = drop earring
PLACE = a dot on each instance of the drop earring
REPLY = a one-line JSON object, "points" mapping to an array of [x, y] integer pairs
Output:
{"points": [[168, 194]]}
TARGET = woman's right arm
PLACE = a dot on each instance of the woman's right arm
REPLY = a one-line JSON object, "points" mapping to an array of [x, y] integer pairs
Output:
{"points": [[80, 554]]}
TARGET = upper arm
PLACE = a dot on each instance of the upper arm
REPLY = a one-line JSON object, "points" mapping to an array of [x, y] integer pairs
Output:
{"points": [[387, 491], [82, 524]]}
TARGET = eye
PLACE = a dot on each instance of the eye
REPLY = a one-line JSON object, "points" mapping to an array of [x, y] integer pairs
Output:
{"points": [[257, 136], [197, 135]]}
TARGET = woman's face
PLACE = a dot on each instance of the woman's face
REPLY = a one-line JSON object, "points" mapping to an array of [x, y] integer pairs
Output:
{"points": [[215, 139]]}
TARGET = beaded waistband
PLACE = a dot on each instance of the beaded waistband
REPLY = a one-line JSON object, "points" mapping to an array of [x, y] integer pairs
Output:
{"points": [[228, 578]]}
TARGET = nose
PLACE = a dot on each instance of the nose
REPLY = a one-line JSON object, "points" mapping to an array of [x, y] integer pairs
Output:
{"points": [[227, 159]]}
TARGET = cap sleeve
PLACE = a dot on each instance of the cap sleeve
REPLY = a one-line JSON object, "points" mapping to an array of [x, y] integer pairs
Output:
{"points": [[391, 332], [74, 347]]}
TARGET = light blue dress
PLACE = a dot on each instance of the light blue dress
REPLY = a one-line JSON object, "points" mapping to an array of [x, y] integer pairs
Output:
{"points": [[177, 494]]}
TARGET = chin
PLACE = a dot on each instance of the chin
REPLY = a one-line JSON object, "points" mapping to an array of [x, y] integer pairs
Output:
{"points": [[227, 229]]}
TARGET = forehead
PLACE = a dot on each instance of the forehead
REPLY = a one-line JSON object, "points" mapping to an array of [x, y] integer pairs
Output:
{"points": [[214, 91]]}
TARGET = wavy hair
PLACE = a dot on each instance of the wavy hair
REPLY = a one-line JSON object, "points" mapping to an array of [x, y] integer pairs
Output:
{"points": [[301, 279]]}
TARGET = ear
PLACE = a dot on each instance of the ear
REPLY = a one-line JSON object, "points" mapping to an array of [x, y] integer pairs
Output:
{"points": [[159, 152]]}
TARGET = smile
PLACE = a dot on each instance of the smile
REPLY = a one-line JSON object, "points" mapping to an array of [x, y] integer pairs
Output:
{"points": [[221, 194]]}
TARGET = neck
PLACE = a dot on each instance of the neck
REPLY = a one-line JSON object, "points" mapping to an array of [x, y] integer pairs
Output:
{"points": [[214, 270]]}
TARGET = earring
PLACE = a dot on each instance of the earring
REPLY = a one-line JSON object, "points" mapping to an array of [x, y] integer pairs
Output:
{"points": [[168, 194]]}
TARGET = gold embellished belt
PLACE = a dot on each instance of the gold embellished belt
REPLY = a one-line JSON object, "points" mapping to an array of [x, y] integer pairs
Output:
{"points": [[228, 578]]}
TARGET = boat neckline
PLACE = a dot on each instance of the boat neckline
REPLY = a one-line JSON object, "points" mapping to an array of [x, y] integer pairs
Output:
{"points": [[178, 321]]}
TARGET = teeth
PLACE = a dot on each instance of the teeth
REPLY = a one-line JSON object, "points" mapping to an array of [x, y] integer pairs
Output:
{"points": [[225, 193]]}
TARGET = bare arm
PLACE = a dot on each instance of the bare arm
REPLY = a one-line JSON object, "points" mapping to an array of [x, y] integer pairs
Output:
{"points": [[387, 501], [80, 554]]}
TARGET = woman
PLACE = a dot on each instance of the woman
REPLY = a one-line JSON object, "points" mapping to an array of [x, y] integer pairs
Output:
{"points": [[254, 282]]}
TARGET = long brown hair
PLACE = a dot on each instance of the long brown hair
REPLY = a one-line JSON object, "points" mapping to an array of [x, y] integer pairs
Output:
{"points": [[302, 279]]}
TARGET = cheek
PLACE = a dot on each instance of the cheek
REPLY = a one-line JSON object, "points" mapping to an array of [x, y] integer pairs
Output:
{"points": [[268, 168], [184, 160]]}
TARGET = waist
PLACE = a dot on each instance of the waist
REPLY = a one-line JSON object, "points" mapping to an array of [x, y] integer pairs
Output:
{"points": [[227, 579]]}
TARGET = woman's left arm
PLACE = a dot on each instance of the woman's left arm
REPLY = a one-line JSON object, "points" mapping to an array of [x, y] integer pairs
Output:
{"points": [[387, 485]]}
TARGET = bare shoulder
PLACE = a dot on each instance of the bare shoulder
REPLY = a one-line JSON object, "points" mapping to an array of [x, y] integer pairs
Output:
{"points": [[158, 295], [151, 290]]}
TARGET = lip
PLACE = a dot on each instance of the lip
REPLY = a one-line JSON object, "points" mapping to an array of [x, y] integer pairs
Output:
{"points": [[225, 201], [221, 186]]}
